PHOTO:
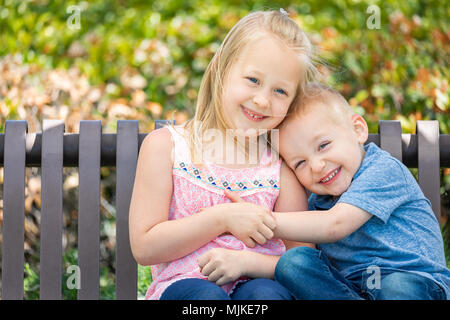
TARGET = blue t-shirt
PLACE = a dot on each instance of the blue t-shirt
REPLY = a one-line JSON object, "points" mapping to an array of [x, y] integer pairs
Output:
{"points": [[402, 235]]}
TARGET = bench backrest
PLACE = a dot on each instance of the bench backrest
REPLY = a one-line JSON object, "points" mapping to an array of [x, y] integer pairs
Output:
{"points": [[89, 150]]}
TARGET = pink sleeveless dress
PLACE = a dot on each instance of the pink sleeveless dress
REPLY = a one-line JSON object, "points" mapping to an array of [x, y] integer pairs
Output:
{"points": [[196, 188]]}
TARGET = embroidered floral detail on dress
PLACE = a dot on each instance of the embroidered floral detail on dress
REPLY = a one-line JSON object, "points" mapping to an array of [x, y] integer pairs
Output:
{"points": [[205, 177]]}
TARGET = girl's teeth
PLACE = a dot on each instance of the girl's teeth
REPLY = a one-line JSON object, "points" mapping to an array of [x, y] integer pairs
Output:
{"points": [[252, 115]]}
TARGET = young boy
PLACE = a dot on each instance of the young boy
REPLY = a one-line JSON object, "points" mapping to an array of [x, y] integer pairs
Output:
{"points": [[376, 234]]}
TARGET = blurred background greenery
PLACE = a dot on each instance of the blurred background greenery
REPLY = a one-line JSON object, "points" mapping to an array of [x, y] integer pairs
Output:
{"points": [[144, 60]]}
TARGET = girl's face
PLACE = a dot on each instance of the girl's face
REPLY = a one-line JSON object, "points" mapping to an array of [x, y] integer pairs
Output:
{"points": [[261, 85]]}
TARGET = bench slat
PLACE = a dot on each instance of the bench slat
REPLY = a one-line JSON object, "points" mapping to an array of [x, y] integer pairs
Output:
{"points": [[51, 212], [161, 123], [89, 209], [427, 142], [13, 210], [428, 162], [126, 161], [390, 132]]}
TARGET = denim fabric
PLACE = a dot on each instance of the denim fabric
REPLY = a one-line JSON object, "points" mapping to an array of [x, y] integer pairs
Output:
{"points": [[260, 289], [403, 286], [308, 275], [199, 289]]}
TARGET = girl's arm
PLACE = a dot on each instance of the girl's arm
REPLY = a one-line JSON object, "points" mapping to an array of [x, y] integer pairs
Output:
{"points": [[154, 238]]}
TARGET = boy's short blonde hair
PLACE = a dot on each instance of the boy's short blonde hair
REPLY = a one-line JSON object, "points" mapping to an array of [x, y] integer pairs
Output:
{"points": [[318, 95]]}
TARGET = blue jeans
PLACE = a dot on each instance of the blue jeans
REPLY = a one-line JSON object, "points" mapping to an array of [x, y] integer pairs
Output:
{"points": [[308, 275], [199, 289]]}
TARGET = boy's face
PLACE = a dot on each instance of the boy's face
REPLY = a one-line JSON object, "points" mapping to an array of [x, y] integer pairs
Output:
{"points": [[324, 152]]}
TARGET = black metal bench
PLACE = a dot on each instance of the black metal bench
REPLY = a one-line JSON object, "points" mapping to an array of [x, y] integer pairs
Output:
{"points": [[89, 150]]}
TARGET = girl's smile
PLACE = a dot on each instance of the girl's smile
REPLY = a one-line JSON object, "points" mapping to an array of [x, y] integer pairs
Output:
{"points": [[253, 116]]}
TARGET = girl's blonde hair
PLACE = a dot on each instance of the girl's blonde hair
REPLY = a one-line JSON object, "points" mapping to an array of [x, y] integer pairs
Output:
{"points": [[208, 114]]}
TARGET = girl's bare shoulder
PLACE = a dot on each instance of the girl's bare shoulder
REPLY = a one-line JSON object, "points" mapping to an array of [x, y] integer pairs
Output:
{"points": [[157, 143]]}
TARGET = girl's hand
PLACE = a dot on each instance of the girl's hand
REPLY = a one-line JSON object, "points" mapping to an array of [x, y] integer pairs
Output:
{"points": [[248, 222], [222, 266]]}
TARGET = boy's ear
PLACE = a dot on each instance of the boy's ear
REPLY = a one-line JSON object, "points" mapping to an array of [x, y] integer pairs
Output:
{"points": [[360, 128]]}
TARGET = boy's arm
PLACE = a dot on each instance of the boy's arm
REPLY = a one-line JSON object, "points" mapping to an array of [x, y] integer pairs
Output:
{"points": [[320, 226], [225, 265], [292, 197], [309, 226]]}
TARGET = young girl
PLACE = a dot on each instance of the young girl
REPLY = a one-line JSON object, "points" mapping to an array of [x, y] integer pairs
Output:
{"points": [[261, 67]]}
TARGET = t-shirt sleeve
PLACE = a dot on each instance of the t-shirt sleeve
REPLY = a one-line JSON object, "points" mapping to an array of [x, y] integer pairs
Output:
{"points": [[379, 189], [311, 200]]}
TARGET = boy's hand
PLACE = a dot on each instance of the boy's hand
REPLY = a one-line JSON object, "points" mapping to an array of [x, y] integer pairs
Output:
{"points": [[248, 222], [221, 266]]}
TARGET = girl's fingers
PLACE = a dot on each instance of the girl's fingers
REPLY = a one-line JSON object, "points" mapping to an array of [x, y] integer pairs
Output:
{"points": [[223, 280], [233, 196], [269, 221], [208, 269], [266, 232], [259, 238], [215, 275], [203, 260], [249, 242]]}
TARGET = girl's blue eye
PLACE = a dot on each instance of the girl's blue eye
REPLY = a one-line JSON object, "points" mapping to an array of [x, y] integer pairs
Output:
{"points": [[281, 91], [254, 80]]}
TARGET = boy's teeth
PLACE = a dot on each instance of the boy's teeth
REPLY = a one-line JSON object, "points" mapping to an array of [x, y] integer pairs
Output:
{"points": [[330, 176]]}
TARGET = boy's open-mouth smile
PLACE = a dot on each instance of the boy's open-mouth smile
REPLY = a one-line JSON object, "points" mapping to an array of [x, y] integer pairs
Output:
{"points": [[331, 176], [253, 116]]}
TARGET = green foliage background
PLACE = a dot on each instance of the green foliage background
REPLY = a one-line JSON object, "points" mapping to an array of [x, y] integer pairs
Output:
{"points": [[145, 59]]}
